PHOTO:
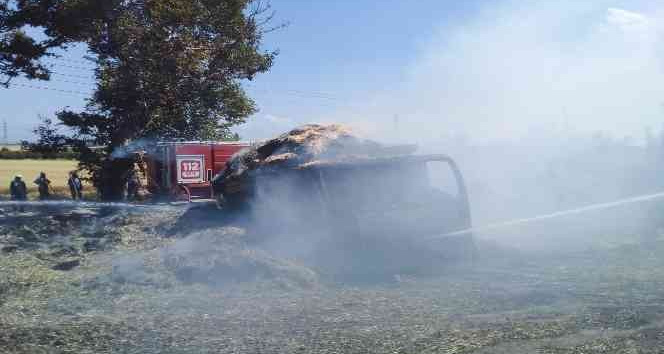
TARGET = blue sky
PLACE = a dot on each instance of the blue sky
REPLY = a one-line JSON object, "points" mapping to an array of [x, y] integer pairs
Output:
{"points": [[340, 48], [491, 69]]}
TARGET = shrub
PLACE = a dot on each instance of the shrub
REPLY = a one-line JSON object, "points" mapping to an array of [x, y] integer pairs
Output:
{"points": [[7, 154]]}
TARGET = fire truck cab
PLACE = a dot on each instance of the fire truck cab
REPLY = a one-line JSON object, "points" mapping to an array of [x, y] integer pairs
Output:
{"points": [[184, 170]]}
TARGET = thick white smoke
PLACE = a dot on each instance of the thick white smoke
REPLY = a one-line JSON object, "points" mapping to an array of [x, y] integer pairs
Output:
{"points": [[524, 67], [534, 99]]}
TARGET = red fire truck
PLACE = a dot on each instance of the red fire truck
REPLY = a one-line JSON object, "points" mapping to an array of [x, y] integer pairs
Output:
{"points": [[184, 170]]}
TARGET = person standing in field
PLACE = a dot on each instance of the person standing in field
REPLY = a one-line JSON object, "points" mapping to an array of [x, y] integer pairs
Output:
{"points": [[44, 186], [133, 184], [75, 186], [18, 189]]}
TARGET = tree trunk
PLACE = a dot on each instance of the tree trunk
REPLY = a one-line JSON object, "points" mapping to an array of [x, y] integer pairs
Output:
{"points": [[113, 180]]}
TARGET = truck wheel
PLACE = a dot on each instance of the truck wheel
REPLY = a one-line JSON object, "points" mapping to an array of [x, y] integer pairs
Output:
{"points": [[181, 194]]}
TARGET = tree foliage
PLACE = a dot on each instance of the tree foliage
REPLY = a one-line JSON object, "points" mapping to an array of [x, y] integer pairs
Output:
{"points": [[19, 53], [166, 69], [52, 143]]}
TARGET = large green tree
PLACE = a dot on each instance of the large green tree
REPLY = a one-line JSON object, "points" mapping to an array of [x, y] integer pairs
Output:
{"points": [[166, 69]]}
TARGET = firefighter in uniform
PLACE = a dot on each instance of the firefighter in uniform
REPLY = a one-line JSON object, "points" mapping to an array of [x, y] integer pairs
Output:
{"points": [[44, 186], [18, 189], [133, 185], [75, 186]]}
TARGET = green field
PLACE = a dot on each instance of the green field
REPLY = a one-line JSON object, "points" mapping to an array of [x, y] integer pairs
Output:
{"points": [[56, 170]]}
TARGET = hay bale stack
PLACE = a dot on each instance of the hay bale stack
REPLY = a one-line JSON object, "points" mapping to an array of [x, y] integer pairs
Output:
{"points": [[301, 145], [295, 149]]}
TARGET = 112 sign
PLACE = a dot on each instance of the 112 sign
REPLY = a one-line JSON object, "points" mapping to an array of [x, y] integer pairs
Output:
{"points": [[190, 169]]}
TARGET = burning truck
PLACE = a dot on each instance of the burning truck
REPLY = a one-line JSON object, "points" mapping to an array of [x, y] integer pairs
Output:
{"points": [[379, 199], [324, 187]]}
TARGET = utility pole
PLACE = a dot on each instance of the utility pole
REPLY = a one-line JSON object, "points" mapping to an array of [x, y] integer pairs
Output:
{"points": [[5, 135]]}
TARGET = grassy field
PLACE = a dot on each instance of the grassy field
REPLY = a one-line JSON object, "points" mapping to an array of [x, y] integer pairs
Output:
{"points": [[11, 147], [56, 170]]}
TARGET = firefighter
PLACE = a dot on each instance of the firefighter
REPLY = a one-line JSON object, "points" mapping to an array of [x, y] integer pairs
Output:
{"points": [[44, 186], [75, 185], [133, 184], [18, 189]]}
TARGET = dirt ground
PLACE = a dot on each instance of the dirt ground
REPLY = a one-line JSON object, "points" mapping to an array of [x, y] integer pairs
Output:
{"points": [[111, 279]]}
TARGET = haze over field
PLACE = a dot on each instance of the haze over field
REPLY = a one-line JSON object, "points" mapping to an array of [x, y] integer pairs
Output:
{"points": [[525, 95], [322, 241]]}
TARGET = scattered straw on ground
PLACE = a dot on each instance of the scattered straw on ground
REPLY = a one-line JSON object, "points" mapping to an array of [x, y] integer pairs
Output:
{"points": [[127, 297]]}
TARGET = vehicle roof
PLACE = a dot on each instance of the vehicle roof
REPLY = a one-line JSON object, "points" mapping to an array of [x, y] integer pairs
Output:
{"points": [[375, 161]]}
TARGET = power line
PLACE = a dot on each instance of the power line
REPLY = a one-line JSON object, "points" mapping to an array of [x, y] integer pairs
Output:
{"points": [[313, 94], [73, 61], [298, 94], [87, 84], [80, 68], [52, 89], [287, 92], [318, 94], [302, 94], [48, 58], [72, 75], [295, 93]]}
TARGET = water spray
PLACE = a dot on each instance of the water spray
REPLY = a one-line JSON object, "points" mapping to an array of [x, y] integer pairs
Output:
{"points": [[585, 209]]}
